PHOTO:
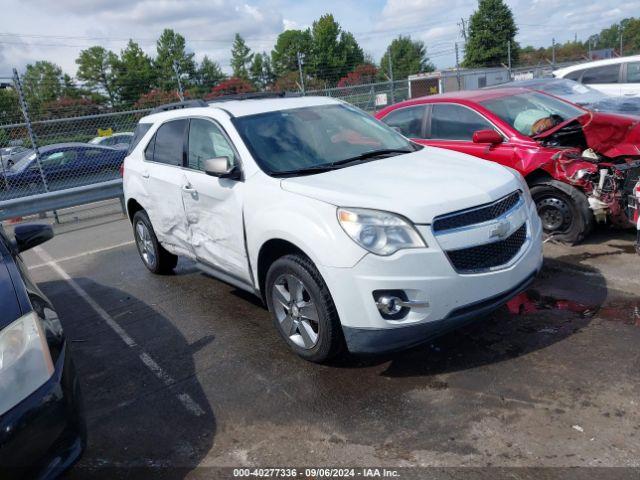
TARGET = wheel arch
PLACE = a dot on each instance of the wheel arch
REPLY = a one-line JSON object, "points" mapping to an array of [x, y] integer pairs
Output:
{"points": [[270, 251], [537, 177], [132, 207]]}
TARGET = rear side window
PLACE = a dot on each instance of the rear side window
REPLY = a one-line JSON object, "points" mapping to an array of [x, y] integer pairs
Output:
{"points": [[169, 143], [574, 75], [606, 74], [407, 121], [633, 72], [138, 133], [454, 122]]}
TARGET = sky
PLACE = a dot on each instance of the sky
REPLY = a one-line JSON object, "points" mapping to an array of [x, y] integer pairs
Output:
{"points": [[57, 30]]}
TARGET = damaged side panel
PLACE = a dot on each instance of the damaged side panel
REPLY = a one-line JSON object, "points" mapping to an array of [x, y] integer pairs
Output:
{"points": [[163, 203], [213, 209]]}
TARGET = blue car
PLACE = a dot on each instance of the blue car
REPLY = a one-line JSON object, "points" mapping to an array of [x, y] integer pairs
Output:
{"points": [[64, 165], [42, 426]]}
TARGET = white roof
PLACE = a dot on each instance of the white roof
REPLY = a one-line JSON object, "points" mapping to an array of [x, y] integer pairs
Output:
{"points": [[561, 72], [241, 108]]}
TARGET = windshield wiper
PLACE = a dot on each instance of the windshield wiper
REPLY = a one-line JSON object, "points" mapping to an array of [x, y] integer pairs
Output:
{"points": [[372, 155]]}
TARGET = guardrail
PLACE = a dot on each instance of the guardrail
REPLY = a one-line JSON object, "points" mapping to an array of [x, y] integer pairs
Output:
{"points": [[59, 199]]}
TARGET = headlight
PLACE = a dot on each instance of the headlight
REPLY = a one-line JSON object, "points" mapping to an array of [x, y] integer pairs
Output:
{"points": [[382, 233], [25, 361]]}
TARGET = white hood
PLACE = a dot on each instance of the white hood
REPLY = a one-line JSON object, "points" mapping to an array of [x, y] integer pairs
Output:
{"points": [[419, 185]]}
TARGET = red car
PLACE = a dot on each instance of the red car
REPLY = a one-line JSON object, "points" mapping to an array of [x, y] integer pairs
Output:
{"points": [[582, 167]]}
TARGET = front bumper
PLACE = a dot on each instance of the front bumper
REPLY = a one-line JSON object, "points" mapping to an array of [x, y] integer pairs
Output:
{"points": [[45, 434], [425, 275]]}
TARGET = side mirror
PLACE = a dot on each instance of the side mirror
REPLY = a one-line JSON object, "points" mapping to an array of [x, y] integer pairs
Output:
{"points": [[220, 167], [487, 136], [29, 236]]}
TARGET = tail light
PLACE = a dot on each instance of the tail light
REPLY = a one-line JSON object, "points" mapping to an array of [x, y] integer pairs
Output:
{"points": [[122, 170]]}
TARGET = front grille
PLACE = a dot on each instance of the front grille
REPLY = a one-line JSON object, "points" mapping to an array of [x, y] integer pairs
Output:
{"points": [[475, 215], [490, 255]]}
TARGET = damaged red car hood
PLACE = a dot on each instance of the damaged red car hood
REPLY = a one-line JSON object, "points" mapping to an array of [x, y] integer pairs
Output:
{"points": [[607, 134]]}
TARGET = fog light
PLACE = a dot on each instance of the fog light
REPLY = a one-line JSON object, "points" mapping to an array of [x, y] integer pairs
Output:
{"points": [[394, 304], [389, 305]]}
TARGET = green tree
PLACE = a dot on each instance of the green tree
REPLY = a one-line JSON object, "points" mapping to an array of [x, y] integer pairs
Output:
{"points": [[491, 27], [96, 67], [173, 61], [134, 74], [334, 52], [209, 73], [408, 57], [610, 37], [260, 71], [10, 111], [42, 82], [352, 53], [241, 57], [284, 56]]}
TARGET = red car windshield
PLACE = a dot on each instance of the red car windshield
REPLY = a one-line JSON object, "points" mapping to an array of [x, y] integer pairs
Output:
{"points": [[530, 113]]}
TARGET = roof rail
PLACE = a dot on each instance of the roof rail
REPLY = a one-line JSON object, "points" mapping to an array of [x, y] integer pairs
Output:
{"points": [[178, 105], [252, 96]]}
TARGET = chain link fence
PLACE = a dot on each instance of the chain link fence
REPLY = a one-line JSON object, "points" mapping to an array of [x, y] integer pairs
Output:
{"points": [[44, 151], [370, 97]]}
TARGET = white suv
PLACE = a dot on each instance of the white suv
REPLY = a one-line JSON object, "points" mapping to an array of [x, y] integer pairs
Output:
{"points": [[350, 233], [614, 76]]}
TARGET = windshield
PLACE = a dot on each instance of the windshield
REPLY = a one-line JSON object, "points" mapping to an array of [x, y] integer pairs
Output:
{"points": [[313, 138], [563, 87], [531, 113]]}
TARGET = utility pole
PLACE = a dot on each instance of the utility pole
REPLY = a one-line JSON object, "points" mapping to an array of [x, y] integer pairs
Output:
{"points": [[621, 40], [553, 52], [458, 68], [509, 57], [180, 90], [589, 43], [463, 28], [392, 85], [299, 56]]}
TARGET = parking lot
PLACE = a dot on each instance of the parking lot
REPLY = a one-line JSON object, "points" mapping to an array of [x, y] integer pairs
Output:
{"points": [[184, 371]]}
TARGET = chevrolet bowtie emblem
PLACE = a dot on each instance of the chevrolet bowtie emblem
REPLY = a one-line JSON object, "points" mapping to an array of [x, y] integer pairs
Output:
{"points": [[501, 230]]}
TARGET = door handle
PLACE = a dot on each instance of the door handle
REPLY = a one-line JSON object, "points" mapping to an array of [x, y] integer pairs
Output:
{"points": [[145, 174], [188, 188]]}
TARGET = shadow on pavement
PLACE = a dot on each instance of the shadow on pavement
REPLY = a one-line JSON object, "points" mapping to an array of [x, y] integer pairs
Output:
{"points": [[139, 425]]}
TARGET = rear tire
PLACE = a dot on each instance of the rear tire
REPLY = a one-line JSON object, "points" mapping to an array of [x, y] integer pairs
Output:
{"points": [[302, 308], [564, 211], [153, 255]]}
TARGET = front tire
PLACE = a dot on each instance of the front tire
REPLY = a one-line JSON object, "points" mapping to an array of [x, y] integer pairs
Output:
{"points": [[302, 308], [564, 211], [153, 255]]}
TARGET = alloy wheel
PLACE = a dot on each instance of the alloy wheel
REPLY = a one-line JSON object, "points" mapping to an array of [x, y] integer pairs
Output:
{"points": [[296, 311], [145, 244]]}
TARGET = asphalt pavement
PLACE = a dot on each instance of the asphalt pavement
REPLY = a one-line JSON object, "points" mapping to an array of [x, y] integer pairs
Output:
{"points": [[184, 372]]}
